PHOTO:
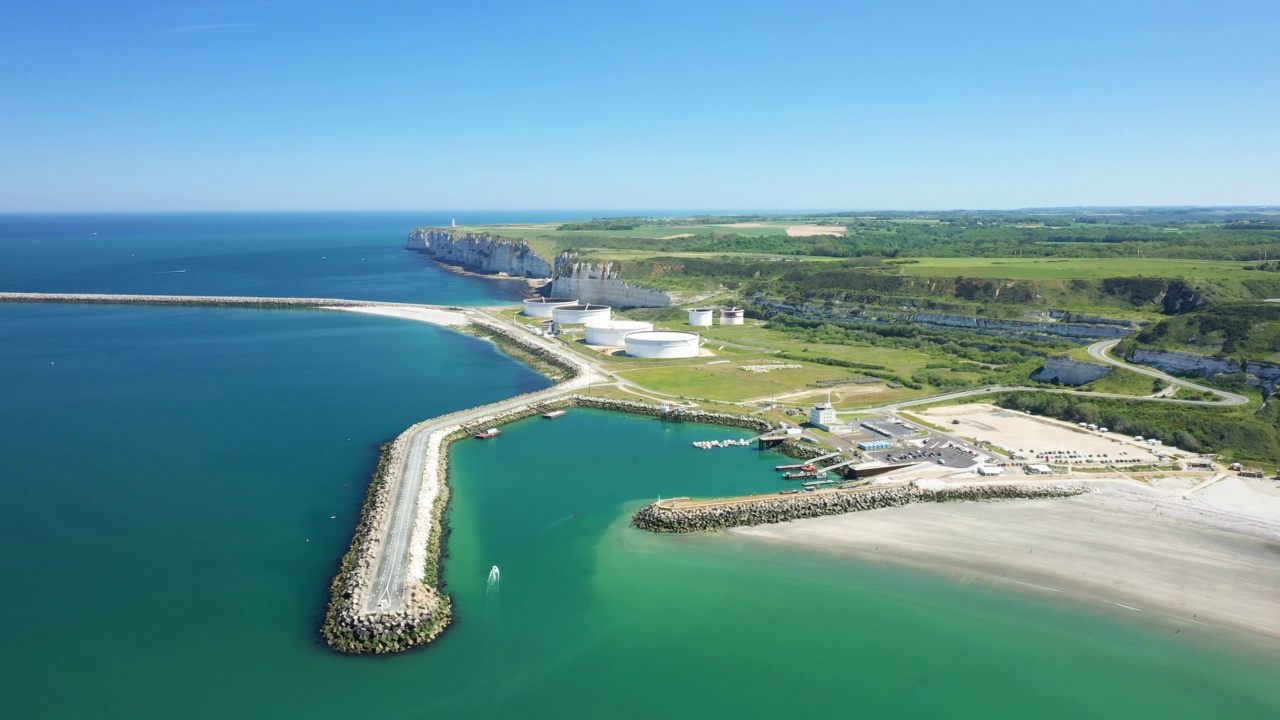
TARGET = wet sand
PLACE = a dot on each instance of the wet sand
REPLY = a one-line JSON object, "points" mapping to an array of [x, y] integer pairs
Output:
{"points": [[1195, 561]]}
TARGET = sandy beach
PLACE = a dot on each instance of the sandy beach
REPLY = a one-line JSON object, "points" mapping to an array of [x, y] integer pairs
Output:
{"points": [[1211, 560], [418, 314]]}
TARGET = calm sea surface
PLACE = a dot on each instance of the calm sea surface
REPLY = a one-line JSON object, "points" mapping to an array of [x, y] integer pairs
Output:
{"points": [[177, 485]]}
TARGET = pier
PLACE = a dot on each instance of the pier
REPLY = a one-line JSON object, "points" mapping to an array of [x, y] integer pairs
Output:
{"points": [[682, 515]]}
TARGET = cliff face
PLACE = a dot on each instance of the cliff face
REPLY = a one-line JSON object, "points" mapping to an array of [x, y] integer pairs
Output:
{"points": [[989, 326], [1262, 375], [1069, 372], [1180, 363], [1021, 326], [481, 253], [602, 283]]}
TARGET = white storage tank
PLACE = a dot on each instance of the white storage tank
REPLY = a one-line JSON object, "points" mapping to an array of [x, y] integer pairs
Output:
{"points": [[578, 314], [731, 316], [700, 317], [612, 333], [541, 307], [663, 344]]}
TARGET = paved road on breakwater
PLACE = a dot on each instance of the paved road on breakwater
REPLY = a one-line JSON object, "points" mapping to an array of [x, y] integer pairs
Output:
{"points": [[391, 574]]}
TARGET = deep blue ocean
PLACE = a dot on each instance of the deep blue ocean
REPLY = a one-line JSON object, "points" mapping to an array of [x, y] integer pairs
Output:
{"points": [[178, 484], [339, 255]]}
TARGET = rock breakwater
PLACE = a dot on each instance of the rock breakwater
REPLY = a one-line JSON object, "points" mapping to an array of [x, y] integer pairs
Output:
{"points": [[349, 625], [425, 612], [687, 516]]}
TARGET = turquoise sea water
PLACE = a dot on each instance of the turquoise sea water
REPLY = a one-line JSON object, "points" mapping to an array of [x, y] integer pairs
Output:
{"points": [[177, 485]]}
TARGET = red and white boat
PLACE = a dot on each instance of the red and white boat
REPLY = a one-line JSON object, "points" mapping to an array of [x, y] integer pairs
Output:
{"points": [[491, 432]]}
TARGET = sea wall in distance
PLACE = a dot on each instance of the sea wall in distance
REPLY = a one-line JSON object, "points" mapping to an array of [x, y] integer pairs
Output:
{"points": [[683, 515], [206, 300]]}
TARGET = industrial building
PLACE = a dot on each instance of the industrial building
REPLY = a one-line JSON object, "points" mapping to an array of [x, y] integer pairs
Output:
{"points": [[578, 314], [700, 317], [892, 429], [613, 332], [542, 307], [731, 316], [662, 344]]}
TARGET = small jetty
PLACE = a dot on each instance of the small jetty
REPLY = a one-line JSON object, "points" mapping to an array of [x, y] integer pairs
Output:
{"points": [[553, 414], [808, 465], [814, 474], [708, 444], [682, 515]]}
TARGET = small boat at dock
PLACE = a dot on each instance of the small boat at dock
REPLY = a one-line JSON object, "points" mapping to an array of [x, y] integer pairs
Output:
{"points": [[807, 467], [491, 432], [708, 444]]}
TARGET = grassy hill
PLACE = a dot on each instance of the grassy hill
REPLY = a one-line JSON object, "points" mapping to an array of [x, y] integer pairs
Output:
{"points": [[1248, 331]]}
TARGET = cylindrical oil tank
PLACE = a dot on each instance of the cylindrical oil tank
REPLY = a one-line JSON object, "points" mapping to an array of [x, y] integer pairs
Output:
{"points": [[578, 314], [700, 317], [731, 316], [541, 307], [612, 333], [663, 344]]}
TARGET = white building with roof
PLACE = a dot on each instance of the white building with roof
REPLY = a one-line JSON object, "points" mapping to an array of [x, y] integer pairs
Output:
{"points": [[823, 415]]}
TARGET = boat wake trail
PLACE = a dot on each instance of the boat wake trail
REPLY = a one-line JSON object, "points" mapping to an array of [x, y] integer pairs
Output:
{"points": [[548, 526], [491, 594]]}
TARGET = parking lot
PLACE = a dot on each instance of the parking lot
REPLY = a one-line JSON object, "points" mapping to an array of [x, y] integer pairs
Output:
{"points": [[1037, 440], [937, 450]]}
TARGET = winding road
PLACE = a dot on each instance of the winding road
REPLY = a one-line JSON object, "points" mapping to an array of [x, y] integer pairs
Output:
{"points": [[1097, 351]]}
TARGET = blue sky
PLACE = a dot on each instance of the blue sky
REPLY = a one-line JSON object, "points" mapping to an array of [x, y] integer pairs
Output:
{"points": [[685, 105]]}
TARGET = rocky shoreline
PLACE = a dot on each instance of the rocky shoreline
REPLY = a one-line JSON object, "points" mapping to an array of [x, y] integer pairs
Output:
{"points": [[664, 517], [425, 612], [428, 611]]}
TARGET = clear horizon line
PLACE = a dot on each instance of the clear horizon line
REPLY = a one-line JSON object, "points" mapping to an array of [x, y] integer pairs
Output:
{"points": [[639, 211]]}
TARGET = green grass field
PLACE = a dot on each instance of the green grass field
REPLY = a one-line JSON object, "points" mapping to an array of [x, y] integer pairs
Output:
{"points": [[697, 379]]}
